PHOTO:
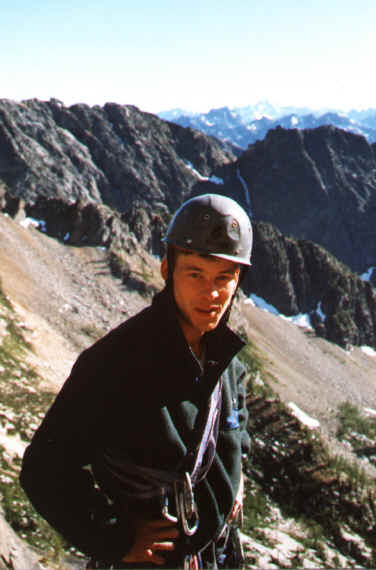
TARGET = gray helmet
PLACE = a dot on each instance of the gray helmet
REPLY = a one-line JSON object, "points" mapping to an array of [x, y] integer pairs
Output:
{"points": [[214, 225]]}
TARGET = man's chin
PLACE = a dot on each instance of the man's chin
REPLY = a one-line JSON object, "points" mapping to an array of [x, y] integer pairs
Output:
{"points": [[207, 325]]}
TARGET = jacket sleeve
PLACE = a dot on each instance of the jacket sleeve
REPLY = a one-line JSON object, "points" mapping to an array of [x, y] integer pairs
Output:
{"points": [[56, 472]]}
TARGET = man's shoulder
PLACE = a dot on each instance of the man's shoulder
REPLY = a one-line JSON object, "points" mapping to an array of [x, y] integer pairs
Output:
{"points": [[134, 323], [136, 327], [149, 320], [122, 339]]}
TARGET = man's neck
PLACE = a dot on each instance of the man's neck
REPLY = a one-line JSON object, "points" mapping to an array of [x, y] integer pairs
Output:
{"points": [[198, 348], [194, 338]]}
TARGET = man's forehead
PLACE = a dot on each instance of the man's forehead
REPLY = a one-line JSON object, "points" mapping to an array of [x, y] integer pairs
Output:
{"points": [[196, 259]]}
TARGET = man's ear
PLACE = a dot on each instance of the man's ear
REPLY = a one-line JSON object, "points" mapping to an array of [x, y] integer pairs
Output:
{"points": [[164, 268]]}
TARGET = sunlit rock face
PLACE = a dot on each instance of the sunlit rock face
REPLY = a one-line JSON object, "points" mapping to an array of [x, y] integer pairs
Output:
{"points": [[116, 155]]}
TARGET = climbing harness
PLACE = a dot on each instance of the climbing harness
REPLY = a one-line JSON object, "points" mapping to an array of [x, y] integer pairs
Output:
{"points": [[135, 481]]}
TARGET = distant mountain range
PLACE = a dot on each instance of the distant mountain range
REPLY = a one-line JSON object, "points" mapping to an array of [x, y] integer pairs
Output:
{"points": [[242, 126]]}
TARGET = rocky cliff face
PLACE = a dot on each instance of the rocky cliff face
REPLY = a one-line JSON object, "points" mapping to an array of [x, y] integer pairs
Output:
{"points": [[133, 162], [317, 184], [113, 175], [299, 276]]}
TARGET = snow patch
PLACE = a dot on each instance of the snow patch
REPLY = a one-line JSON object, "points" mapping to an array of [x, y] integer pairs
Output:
{"points": [[190, 167], [303, 417], [368, 350], [12, 443], [320, 313], [368, 274], [39, 224], [370, 412], [259, 302], [301, 320], [216, 180], [246, 190], [212, 178]]}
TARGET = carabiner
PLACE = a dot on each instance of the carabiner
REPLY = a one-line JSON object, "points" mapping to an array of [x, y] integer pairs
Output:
{"points": [[186, 506], [165, 512]]}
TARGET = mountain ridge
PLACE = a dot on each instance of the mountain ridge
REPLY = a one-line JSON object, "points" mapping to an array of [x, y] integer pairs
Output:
{"points": [[243, 126], [112, 176]]}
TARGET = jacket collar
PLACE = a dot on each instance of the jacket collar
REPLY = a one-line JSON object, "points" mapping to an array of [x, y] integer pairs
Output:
{"points": [[222, 344]]}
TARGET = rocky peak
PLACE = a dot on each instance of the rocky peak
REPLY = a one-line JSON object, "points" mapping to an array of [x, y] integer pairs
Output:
{"points": [[113, 175], [115, 155], [318, 184], [299, 276]]}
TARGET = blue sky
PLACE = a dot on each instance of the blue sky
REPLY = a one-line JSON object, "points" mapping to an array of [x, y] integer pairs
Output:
{"points": [[196, 54]]}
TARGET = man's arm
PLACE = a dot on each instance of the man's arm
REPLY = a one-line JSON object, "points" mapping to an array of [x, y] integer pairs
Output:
{"points": [[55, 475]]}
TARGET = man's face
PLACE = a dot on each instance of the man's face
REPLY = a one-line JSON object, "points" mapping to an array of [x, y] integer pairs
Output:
{"points": [[203, 290]]}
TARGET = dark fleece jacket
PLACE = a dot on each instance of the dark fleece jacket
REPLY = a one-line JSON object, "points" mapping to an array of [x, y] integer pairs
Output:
{"points": [[138, 390]]}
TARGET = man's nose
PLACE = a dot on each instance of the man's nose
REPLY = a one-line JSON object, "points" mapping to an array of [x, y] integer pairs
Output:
{"points": [[210, 290]]}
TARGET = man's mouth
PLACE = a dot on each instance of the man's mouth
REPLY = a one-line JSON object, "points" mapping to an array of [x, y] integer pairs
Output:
{"points": [[210, 311]]}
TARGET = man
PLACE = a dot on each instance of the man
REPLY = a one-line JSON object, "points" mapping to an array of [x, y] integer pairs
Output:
{"points": [[138, 461]]}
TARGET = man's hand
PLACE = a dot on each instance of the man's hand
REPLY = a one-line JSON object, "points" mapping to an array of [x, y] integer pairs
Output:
{"points": [[237, 509], [151, 538]]}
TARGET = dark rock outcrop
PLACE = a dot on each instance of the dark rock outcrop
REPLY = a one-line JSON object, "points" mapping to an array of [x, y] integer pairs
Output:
{"points": [[299, 276], [318, 185], [81, 223], [112, 176], [115, 155]]}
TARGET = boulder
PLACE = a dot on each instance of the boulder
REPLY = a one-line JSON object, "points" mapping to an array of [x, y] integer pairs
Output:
{"points": [[14, 553]]}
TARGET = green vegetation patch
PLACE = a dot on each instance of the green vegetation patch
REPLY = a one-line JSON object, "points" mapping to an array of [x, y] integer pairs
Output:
{"points": [[353, 421], [22, 407], [292, 467], [358, 430], [254, 361]]}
